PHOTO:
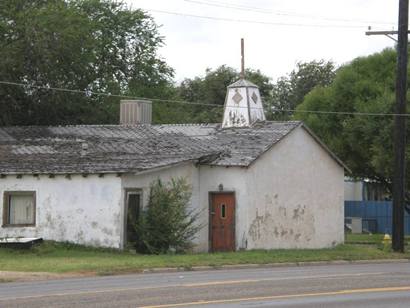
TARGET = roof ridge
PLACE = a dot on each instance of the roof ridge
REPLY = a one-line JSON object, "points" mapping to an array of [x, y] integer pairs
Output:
{"points": [[185, 124], [132, 125], [292, 122], [107, 125]]}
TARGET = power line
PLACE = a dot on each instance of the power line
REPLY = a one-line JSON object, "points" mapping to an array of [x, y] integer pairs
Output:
{"points": [[279, 13], [160, 100], [249, 21], [89, 93], [341, 112]]}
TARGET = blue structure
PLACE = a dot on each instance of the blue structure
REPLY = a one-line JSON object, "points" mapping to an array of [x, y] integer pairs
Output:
{"points": [[376, 215]]}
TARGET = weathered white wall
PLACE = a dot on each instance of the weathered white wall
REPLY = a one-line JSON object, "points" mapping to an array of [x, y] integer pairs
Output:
{"points": [[291, 197], [142, 181], [296, 193], [81, 210]]}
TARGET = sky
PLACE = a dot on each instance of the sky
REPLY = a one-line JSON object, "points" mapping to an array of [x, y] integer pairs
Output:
{"points": [[280, 34]]}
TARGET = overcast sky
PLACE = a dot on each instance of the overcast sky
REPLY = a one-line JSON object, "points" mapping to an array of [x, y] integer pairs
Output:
{"points": [[284, 32]]}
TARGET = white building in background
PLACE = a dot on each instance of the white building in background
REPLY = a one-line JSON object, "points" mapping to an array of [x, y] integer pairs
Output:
{"points": [[364, 190], [257, 184]]}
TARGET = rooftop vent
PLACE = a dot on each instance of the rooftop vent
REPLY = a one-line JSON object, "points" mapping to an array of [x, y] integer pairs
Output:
{"points": [[135, 112]]}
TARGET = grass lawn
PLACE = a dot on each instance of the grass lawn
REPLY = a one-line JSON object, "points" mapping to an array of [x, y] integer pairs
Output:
{"points": [[64, 258], [368, 239]]}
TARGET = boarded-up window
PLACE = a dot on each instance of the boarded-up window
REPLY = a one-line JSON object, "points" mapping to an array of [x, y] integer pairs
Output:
{"points": [[19, 209]]}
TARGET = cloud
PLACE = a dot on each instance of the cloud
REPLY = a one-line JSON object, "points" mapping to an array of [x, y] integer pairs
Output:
{"points": [[193, 44]]}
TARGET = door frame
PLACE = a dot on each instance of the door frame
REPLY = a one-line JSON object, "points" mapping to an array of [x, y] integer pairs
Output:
{"points": [[127, 191], [210, 237]]}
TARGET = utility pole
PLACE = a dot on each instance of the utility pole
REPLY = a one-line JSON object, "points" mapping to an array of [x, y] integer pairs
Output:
{"points": [[399, 183]]}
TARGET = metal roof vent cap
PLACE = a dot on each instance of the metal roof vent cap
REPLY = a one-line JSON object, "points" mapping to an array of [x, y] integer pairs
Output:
{"points": [[133, 112]]}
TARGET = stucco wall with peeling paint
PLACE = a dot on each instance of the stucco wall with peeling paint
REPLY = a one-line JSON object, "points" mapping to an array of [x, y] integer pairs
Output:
{"points": [[290, 197], [296, 196], [83, 210]]}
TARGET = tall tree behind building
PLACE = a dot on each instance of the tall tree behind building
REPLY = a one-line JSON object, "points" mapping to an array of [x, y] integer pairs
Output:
{"points": [[87, 45], [290, 90], [363, 141]]}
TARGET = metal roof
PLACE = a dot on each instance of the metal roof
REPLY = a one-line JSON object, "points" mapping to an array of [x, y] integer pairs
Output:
{"points": [[123, 149]]}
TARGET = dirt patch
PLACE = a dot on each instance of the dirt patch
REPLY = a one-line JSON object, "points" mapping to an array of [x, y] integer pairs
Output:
{"points": [[6, 276]]}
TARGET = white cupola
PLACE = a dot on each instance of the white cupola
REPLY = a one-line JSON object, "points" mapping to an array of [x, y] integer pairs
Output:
{"points": [[243, 104]]}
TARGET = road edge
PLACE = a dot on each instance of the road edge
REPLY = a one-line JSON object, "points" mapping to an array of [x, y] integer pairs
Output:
{"points": [[271, 265], [12, 276]]}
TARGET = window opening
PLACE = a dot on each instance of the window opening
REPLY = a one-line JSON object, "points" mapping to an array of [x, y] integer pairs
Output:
{"points": [[133, 214], [19, 209], [223, 211]]}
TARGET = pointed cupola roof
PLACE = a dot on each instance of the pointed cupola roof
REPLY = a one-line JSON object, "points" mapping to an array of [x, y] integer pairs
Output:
{"points": [[242, 83]]}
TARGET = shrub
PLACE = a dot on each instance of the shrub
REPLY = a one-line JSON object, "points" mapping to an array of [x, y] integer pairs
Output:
{"points": [[167, 224]]}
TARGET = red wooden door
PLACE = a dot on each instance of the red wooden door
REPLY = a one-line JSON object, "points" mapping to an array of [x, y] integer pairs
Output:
{"points": [[222, 219]]}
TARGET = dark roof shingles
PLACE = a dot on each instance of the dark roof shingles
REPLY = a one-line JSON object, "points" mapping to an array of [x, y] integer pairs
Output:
{"points": [[116, 148]]}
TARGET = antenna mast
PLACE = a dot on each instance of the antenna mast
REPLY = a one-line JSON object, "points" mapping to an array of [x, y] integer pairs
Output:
{"points": [[242, 59]]}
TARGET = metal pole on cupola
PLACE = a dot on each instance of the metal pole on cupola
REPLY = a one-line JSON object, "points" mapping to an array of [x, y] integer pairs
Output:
{"points": [[242, 59]]}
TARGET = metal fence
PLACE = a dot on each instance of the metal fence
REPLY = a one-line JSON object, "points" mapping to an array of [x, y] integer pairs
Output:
{"points": [[376, 215]]}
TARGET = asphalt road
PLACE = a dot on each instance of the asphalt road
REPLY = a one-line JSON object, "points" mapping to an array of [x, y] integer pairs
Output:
{"points": [[353, 285]]}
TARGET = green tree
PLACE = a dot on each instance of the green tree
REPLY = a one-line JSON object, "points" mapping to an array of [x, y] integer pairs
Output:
{"points": [[167, 222], [211, 90], [289, 91], [87, 45], [363, 142]]}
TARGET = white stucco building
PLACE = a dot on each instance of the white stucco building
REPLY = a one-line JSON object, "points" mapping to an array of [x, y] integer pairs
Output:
{"points": [[258, 184]]}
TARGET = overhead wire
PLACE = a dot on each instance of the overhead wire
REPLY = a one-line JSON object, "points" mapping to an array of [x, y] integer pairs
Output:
{"points": [[219, 4], [250, 21], [160, 100], [280, 13]]}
